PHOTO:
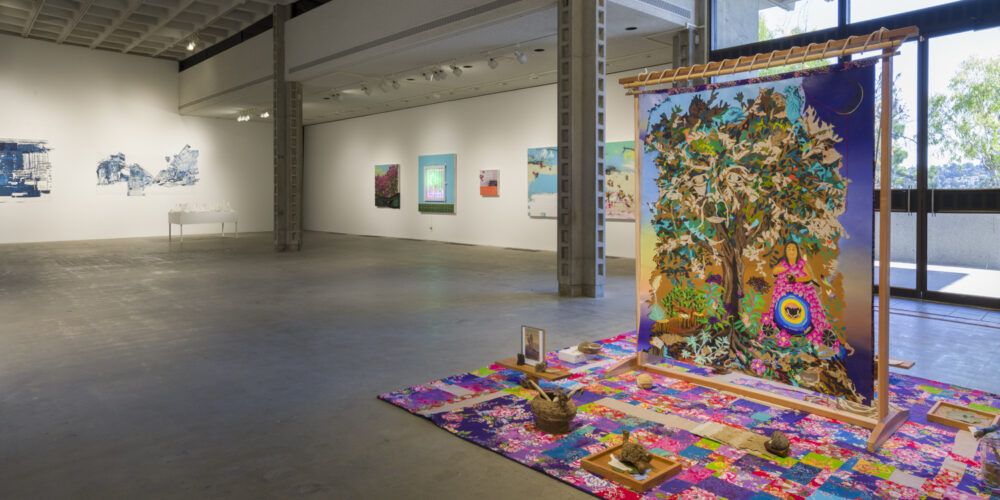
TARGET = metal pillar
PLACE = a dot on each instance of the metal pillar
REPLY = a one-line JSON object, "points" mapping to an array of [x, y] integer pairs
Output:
{"points": [[287, 145], [580, 226]]}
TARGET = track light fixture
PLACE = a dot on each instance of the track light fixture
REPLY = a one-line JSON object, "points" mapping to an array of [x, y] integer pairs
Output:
{"points": [[265, 114], [366, 90], [456, 70], [426, 75], [439, 74], [492, 62], [395, 84], [520, 56], [384, 86]]}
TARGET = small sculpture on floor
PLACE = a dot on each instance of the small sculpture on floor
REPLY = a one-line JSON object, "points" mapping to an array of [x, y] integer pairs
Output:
{"points": [[778, 445], [520, 358], [541, 366], [980, 432], [719, 368], [644, 381], [634, 454]]}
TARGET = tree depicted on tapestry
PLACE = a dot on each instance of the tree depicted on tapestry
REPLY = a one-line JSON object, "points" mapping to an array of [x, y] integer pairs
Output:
{"points": [[387, 186], [746, 191]]}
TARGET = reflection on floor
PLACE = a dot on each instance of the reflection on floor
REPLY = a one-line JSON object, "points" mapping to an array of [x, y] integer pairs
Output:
{"points": [[951, 279]]}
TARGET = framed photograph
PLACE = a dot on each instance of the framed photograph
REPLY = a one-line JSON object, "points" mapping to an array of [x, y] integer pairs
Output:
{"points": [[532, 344]]}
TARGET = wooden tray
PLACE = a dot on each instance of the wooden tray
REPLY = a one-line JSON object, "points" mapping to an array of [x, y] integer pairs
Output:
{"points": [[937, 415], [549, 374], [662, 470]]}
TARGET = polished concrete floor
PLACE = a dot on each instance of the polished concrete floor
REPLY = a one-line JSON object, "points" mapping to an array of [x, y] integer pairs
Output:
{"points": [[219, 369]]}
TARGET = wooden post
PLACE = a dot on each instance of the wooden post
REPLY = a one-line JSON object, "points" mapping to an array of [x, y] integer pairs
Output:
{"points": [[889, 421], [884, 227]]}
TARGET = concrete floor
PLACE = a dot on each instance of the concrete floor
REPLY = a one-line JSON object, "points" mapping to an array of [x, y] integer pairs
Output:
{"points": [[219, 369]]}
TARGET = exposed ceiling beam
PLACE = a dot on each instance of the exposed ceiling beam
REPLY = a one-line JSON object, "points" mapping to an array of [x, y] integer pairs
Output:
{"points": [[133, 6], [34, 17], [76, 20], [166, 20], [222, 13]]}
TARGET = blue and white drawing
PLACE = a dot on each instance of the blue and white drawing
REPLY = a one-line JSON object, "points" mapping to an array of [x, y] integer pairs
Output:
{"points": [[182, 171], [25, 171]]}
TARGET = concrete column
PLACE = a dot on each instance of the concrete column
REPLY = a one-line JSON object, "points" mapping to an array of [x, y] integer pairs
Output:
{"points": [[580, 226], [690, 45], [287, 145]]}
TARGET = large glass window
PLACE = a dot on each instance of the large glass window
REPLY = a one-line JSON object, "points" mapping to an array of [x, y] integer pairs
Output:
{"points": [[863, 10], [903, 250], [738, 22], [963, 254]]}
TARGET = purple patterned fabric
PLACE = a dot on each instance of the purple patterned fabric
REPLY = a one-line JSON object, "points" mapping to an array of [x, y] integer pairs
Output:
{"points": [[828, 458]]}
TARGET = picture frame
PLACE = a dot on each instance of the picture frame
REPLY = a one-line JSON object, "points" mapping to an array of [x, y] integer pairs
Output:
{"points": [[532, 344]]}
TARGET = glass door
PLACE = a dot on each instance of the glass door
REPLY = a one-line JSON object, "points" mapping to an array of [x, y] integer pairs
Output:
{"points": [[903, 250], [963, 224]]}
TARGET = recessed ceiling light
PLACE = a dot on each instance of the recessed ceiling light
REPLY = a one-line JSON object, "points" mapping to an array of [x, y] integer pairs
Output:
{"points": [[327, 98], [539, 50], [631, 28], [467, 66], [411, 79]]}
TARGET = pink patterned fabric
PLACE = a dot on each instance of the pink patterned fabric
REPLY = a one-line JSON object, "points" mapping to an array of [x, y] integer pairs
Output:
{"points": [[805, 290]]}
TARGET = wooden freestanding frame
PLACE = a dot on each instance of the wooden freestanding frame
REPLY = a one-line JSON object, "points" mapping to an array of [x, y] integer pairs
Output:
{"points": [[887, 421]]}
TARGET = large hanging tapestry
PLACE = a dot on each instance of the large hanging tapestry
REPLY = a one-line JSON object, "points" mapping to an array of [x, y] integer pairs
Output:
{"points": [[387, 186], [755, 243], [25, 171], [437, 183], [619, 181]]}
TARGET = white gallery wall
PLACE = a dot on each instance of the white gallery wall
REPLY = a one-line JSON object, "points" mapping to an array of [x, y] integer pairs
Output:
{"points": [[488, 132], [91, 104]]}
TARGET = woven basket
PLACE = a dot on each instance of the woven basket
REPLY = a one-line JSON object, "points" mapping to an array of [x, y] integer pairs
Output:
{"points": [[552, 417]]}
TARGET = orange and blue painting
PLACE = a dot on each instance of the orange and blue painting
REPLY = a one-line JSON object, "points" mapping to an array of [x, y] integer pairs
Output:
{"points": [[756, 227]]}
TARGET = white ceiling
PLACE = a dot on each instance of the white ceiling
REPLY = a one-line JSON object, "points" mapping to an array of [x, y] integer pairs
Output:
{"points": [[334, 90], [155, 28], [534, 34]]}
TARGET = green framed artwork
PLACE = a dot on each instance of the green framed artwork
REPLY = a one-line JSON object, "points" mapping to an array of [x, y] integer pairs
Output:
{"points": [[437, 183]]}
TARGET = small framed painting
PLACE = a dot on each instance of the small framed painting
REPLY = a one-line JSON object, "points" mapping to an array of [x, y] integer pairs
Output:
{"points": [[532, 344], [489, 183]]}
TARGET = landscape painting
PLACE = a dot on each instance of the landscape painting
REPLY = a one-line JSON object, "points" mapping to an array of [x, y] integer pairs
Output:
{"points": [[25, 171], [619, 180], [542, 165], [387, 186], [755, 249]]}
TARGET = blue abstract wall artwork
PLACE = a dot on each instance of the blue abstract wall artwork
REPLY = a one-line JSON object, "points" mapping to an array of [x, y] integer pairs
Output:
{"points": [[25, 171], [182, 170]]}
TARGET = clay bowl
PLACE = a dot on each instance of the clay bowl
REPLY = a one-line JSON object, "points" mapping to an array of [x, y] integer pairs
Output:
{"points": [[589, 348]]}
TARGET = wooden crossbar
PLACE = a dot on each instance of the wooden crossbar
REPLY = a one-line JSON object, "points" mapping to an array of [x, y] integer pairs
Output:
{"points": [[882, 39]]}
